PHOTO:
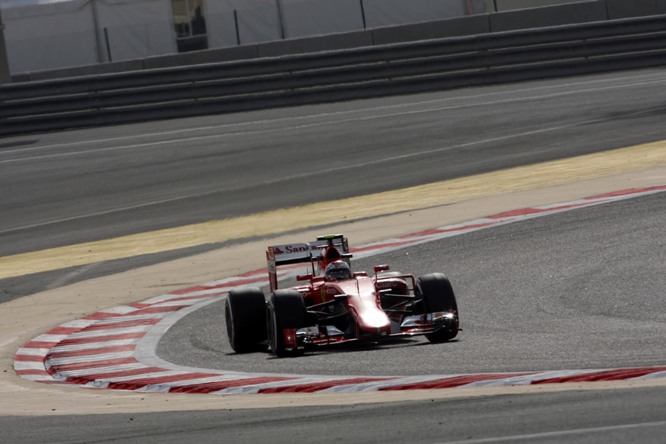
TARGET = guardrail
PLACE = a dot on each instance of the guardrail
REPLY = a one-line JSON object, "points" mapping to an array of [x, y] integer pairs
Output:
{"points": [[332, 76]]}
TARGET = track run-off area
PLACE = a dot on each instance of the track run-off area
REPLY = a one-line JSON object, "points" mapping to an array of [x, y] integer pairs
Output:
{"points": [[115, 348], [487, 185]]}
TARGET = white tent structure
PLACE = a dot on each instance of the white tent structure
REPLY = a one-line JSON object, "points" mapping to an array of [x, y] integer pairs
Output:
{"points": [[43, 35], [251, 21], [50, 34], [134, 29]]}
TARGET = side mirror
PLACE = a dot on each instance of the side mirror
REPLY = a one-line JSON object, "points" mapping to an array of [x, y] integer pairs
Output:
{"points": [[304, 277], [380, 268]]}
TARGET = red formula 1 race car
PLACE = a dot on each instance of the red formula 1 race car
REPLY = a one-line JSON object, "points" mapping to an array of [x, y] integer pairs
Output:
{"points": [[336, 305]]}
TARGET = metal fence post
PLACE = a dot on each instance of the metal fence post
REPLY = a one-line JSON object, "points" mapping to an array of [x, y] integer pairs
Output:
{"points": [[98, 40], [5, 76], [238, 40], [108, 45], [365, 26], [283, 34]]}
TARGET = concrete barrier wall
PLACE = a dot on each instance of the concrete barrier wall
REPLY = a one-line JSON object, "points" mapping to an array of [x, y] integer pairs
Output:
{"points": [[195, 58], [508, 5], [619, 9], [316, 44], [477, 24], [406, 68], [592, 11], [561, 14]]}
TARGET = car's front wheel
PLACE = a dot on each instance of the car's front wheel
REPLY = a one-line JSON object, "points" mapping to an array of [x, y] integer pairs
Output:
{"points": [[437, 296], [285, 311]]}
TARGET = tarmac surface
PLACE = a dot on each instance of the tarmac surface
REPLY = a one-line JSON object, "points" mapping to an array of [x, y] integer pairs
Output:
{"points": [[105, 184]]}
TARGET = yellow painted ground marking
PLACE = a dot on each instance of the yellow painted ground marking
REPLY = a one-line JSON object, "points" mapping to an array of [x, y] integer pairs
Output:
{"points": [[273, 222]]}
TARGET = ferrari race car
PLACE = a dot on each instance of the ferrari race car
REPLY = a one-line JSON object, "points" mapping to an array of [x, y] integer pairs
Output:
{"points": [[335, 305]]}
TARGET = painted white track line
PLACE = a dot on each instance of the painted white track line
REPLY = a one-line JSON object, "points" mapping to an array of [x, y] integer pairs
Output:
{"points": [[115, 348]]}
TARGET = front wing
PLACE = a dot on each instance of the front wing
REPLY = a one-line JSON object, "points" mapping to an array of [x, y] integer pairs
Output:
{"points": [[323, 335]]}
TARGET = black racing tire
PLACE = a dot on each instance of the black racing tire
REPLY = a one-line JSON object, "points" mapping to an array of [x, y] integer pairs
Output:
{"points": [[437, 295], [245, 315], [285, 309]]}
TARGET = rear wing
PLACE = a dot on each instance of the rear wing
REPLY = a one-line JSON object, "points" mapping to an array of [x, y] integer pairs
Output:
{"points": [[286, 254]]}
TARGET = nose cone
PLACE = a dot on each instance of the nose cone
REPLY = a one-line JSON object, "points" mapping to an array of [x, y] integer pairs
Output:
{"points": [[374, 321], [371, 319]]}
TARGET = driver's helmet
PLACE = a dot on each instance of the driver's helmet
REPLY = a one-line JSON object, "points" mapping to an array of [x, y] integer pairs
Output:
{"points": [[338, 270]]}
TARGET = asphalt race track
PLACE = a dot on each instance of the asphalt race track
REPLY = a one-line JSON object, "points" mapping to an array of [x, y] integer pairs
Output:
{"points": [[581, 289], [612, 417], [111, 181], [576, 290]]}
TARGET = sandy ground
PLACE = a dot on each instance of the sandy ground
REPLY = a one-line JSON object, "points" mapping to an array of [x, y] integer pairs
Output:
{"points": [[266, 224], [23, 319]]}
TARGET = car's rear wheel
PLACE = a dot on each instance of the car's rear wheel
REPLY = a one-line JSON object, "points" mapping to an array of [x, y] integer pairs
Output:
{"points": [[437, 296], [285, 310], [245, 315]]}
